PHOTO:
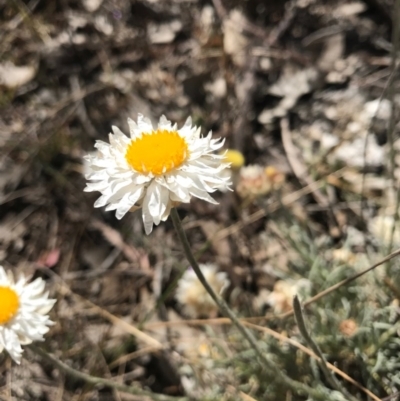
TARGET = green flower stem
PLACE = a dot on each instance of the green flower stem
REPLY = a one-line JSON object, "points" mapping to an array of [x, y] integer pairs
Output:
{"points": [[298, 314], [100, 382], [270, 367]]}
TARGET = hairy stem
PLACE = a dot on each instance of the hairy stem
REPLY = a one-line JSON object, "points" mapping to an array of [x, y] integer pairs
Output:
{"points": [[298, 314]]}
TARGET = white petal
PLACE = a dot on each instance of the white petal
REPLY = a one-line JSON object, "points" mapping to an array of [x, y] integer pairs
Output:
{"points": [[157, 201], [123, 207], [202, 195], [164, 123], [147, 219], [134, 130], [102, 201], [119, 135], [127, 202], [144, 124]]}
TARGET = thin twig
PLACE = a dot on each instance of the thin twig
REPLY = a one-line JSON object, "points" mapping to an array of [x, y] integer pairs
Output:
{"points": [[342, 283], [129, 328], [98, 381], [278, 31], [268, 365], [301, 172], [298, 314]]}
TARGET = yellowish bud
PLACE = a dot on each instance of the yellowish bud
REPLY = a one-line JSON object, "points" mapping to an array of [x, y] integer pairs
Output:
{"points": [[234, 157]]}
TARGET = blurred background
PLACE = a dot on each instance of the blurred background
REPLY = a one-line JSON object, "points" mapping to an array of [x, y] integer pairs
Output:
{"points": [[305, 92]]}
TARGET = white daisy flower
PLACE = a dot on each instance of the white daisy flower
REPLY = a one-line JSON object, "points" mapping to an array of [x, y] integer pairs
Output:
{"points": [[23, 313], [155, 169], [194, 298]]}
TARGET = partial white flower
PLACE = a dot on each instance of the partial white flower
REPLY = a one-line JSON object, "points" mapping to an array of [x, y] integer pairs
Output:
{"points": [[193, 296], [281, 298], [382, 227], [23, 313], [155, 169]]}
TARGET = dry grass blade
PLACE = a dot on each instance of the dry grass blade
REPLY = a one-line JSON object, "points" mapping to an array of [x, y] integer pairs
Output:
{"points": [[150, 341], [298, 166], [115, 238], [129, 357], [243, 396], [129, 328], [246, 397]]}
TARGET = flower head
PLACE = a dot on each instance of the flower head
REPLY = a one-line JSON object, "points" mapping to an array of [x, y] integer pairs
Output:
{"points": [[193, 296], [155, 169], [348, 327], [23, 313], [255, 180], [281, 298]]}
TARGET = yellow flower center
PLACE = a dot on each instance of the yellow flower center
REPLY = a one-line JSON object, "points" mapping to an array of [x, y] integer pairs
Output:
{"points": [[9, 303], [157, 152]]}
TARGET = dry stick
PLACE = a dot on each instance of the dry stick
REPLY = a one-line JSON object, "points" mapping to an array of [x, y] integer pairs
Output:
{"points": [[298, 314], [298, 166], [302, 174], [243, 396], [269, 366], [150, 341], [99, 381], [129, 328], [131, 356], [342, 283], [153, 345], [278, 31]]}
